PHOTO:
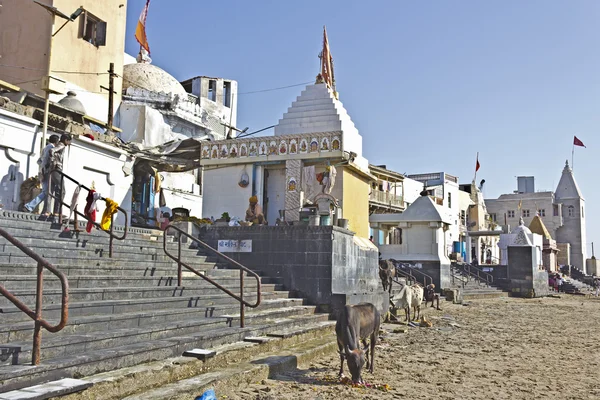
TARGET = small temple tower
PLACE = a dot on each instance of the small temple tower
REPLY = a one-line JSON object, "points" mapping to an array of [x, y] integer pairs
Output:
{"points": [[550, 250], [573, 209]]}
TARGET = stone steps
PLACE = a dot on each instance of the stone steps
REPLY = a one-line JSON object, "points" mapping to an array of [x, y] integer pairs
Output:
{"points": [[238, 376], [98, 361], [87, 333], [202, 304], [127, 381], [126, 310], [53, 296]]}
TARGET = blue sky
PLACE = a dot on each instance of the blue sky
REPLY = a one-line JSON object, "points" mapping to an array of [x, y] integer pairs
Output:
{"points": [[428, 84]]}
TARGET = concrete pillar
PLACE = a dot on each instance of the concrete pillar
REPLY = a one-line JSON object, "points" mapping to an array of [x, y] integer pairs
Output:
{"points": [[468, 250], [292, 197]]}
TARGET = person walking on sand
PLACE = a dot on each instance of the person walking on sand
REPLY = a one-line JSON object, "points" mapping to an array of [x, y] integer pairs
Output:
{"points": [[597, 286]]}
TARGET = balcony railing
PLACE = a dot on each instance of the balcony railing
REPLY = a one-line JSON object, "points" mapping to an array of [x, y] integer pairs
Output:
{"points": [[387, 198]]}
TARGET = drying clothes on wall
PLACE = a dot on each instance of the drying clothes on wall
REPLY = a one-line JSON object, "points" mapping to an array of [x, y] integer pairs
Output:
{"points": [[157, 182], [74, 201], [90, 209], [330, 179], [111, 208], [308, 178]]}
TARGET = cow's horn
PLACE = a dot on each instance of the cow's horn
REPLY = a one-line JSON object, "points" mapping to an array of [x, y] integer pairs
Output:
{"points": [[348, 351]]}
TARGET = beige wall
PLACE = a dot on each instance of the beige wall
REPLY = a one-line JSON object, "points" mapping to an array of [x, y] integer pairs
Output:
{"points": [[355, 202], [24, 36], [24, 42]]}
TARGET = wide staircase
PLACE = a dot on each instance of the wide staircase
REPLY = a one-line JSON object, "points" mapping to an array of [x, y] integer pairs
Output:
{"points": [[128, 309], [577, 281], [474, 282]]}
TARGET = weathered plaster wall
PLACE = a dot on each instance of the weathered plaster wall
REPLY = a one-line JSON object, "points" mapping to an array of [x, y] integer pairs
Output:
{"points": [[355, 205], [85, 160], [221, 192], [25, 42], [18, 155]]}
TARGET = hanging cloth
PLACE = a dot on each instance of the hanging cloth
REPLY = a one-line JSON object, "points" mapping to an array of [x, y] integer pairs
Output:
{"points": [[331, 180], [74, 201], [157, 182], [90, 210], [111, 208], [161, 199], [308, 178]]}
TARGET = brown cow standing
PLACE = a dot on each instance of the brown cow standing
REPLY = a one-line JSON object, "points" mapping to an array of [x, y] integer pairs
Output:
{"points": [[356, 324], [387, 272]]}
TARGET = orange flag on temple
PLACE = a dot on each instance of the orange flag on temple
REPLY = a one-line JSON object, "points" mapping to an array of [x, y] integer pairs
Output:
{"points": [[140, 30], [326, 61]]}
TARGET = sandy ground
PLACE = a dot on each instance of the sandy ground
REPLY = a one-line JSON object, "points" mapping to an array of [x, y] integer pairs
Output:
{"points": [[487, 349]]}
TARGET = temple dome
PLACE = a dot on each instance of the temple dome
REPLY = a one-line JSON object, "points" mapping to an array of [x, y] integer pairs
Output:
{"points": [[521, 227], [152, 78], [70, 101]]}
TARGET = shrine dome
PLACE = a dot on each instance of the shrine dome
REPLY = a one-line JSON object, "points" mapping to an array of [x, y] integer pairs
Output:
{"points": [[152, 78]]}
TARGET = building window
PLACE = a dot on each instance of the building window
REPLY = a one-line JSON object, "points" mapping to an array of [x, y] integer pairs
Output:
{"points": [[449, 200], [396, 236], [581, 212], [555, 210], [571, 211], [463, 217], [212, 90], [93, 29], [525, 213], [227, 94], [542, 212], [493, 217], [511, 213]]}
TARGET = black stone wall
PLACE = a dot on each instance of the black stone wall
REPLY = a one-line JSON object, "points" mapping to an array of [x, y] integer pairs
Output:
{"points": [[322, 263], [526, 280]]}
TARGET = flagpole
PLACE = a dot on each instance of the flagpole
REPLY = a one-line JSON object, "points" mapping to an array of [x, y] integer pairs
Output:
{"points": [[573, 156]]}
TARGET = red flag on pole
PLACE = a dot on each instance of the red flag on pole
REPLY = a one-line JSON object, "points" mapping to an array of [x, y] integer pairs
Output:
{"points": [[477, 165], [577, 142]]}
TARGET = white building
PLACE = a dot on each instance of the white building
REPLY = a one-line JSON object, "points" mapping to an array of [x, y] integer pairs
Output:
{"points": [[562, 211]]}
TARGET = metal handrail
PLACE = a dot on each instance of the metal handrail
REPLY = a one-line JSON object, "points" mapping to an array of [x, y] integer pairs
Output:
{"points": [[402, 266], [406, 276], [97, 225], [37, 315], [242, 269], [458, 277], [488, 278]]}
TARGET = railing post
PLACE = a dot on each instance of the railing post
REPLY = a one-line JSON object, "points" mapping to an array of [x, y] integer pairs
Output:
{"points": [[242, 298], [179, 277], [110, 241], [37, 333]]}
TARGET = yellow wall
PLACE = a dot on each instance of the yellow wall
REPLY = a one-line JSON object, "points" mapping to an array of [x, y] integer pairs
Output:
{"points": [[355, 202], [24, 41]]}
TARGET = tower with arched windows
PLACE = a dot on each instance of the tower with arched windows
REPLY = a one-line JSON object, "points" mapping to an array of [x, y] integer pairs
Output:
{"points": [[572, 230]]}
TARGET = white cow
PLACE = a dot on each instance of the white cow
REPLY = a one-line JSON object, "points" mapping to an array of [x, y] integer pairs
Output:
{"points": [[417, 299], [403, 300]]}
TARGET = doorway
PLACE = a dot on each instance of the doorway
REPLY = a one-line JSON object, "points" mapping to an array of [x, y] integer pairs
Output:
{"points": [[274, 193]]}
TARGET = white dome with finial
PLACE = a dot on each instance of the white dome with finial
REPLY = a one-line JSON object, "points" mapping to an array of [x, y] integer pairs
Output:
{"points": [[143, 75]]}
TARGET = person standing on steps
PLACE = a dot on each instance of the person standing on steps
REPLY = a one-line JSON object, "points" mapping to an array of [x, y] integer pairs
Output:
{"points": [[56, 164], [44, 174]]}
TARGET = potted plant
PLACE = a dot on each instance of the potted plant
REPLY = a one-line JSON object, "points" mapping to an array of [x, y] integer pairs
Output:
{"points": [[224, 220]]}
